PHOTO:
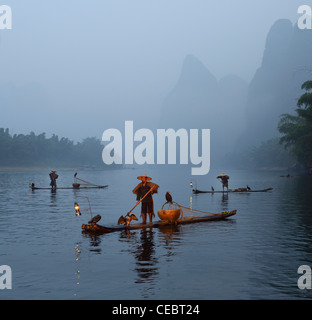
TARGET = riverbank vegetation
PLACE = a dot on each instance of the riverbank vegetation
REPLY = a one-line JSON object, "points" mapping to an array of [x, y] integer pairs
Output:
{"points": [[292, 150], [33, 150], [297, 129], [269, 155]]}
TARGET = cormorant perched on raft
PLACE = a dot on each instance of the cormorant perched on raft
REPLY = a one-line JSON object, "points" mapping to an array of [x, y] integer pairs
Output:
{"points": [[127, 219], [75, 175], [95, 219], [168, 197], [212, 188], [248, 188]]}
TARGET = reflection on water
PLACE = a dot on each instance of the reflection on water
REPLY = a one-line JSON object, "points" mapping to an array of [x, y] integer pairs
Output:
{"points": [[53, 198], [225, 199], [94, 241], [168, 234], [147, 246], [141, 245], [77, 270], [145, 255], [170, 238], [255, 254]]}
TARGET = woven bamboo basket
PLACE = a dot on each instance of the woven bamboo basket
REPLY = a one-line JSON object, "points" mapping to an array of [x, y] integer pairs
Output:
{"points": [[170, 214]]}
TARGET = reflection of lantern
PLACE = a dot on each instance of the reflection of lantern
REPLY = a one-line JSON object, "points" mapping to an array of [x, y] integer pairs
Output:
{"points": [[191, 184], [77, 209]]}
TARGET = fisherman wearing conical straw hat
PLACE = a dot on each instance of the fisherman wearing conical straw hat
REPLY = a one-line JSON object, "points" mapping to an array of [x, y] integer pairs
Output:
{"points": [[143, 188], [224, 178], [53, 176]]}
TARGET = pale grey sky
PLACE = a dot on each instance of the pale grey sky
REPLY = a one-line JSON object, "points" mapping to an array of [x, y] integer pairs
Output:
{"points": [[78, 67]]}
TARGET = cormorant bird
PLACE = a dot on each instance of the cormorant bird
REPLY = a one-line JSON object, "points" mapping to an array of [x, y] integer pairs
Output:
{"points": [[168, 197], [212, 188], [127, 219], [95, 219], [75, 175], [248, 188]]}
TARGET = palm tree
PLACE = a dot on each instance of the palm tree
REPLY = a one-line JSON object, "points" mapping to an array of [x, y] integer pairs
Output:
{"points": [[297, 129]]}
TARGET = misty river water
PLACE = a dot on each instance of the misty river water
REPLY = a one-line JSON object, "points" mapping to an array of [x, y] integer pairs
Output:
{"points": [[252, 255]]}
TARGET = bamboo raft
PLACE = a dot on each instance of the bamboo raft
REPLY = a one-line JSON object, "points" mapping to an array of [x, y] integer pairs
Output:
{"points": [[239, 190], [95, 228], [74, 188]]}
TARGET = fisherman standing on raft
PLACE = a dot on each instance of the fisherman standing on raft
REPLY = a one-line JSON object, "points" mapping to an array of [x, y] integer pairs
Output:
{"points": [[224, 178], [147, 203], [53, 177]]}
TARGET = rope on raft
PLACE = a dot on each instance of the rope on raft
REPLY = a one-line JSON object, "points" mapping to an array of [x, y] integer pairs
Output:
{"points": [[190, 213], [87, 182], [195, 210]]}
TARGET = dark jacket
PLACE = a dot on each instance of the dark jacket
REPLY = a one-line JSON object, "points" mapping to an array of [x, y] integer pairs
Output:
{"points": [[142, 192], [224, 179], [53, 177]]}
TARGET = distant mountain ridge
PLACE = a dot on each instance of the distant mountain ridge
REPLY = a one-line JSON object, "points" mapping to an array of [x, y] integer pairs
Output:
{"points": [[239, 114], [276, 85], [200, 101]]}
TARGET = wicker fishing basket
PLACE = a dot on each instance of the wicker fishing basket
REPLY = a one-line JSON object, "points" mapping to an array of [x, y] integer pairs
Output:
{"points": [[170, 212]]}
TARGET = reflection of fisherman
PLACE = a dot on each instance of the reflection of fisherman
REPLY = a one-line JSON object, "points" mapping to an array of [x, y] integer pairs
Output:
{"points": [[53, 177], [147, 203], [224, 180]]}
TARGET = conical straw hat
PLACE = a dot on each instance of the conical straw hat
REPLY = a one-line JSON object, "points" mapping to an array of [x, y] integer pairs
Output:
{"points": [[144, 175]]}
